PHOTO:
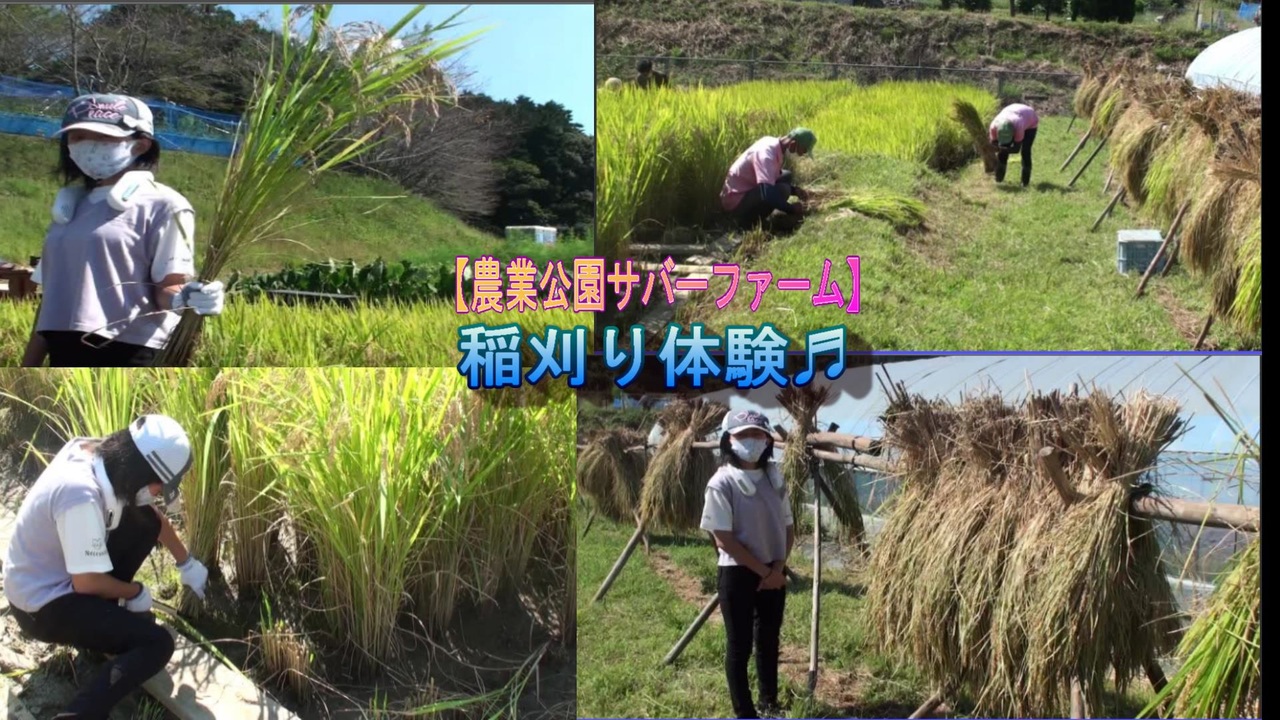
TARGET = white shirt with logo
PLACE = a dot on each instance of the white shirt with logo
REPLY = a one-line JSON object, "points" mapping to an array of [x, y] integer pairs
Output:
{"points": [[61, 529]]}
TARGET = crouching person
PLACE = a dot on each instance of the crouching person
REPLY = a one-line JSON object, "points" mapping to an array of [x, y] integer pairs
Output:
{"points": [[83, 531]]}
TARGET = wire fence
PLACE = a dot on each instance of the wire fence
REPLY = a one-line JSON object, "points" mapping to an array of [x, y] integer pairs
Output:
{"points": [[1025, 85], [34, 108]]}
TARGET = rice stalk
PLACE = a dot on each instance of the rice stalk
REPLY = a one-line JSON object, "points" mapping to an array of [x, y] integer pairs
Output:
{"points": [[985, 581], [967, 115], [676, 479], [1221, 653], [317, 104], [899, 210], [610, 475], [1137, 135]]}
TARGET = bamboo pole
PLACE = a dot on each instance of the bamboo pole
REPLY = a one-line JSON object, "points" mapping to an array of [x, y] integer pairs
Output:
{"points": [[1088, 162], [928, 706], [693, 629], [1107, 211], [1049, 462], [847, 441], [1204, 332], [1077, 700], [619, 564], [1155, 674], [1226, 517], [1079, 147], [817, 578], [1168, 238], [1106, 186], [590, 519]]}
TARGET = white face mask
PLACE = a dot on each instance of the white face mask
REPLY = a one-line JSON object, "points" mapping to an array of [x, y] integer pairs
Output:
{"points": [[144, 497], [102, 159], [748, 449]]}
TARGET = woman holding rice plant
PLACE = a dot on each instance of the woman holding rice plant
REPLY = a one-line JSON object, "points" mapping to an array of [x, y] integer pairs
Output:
{"points": [[118, 260], [1014, 130], [749, 514], [83, 531]]}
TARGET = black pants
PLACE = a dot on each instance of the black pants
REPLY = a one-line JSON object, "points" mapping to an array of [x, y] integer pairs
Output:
{"points": [[141, 647], [750, 613], [753, 209], [1003, 159], [73, 349]]}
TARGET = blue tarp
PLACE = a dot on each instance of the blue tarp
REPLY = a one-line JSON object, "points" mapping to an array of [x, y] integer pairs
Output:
{"points": [[1248, 11]]}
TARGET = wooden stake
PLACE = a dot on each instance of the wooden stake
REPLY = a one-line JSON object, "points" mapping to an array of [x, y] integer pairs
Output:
{"points": [[644, 535], [1204, 333], [1168, 238], [693, 629], [1106, 186], [1107, 211], [590, 519], [1049, 461], [621, 562], [929, 706], [1077, 701], [817, 577], [1088, 162], [1155, 674], [1173, 258], [1072, 123], [1079, 147]]}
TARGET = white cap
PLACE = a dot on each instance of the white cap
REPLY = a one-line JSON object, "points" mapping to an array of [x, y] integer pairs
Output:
{"points": [[166, 448]]}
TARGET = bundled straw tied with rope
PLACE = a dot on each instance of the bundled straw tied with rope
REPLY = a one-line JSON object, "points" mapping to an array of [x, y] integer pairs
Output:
{"points": [[676, 479], [803, 403], [610, 475], [997, 580]]}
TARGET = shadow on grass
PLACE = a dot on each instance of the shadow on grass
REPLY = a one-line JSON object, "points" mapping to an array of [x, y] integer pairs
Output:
{"points": [[1047, 186]]}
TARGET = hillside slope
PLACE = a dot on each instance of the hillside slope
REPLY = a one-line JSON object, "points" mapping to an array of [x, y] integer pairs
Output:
{"points": [[342, 217]]}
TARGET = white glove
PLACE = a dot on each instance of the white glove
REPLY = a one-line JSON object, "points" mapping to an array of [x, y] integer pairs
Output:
{"points": [[204, 298], [141, 603], [194, 575]]}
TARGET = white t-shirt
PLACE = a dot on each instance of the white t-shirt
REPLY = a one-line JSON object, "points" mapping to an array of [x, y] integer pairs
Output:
{"points": [[763, 505], [61, 529], [175, 252]]}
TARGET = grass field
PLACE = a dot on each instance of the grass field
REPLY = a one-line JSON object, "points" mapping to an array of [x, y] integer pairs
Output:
{"points": [[271, 335], [992, 267], [341, 218], [623, 639]]}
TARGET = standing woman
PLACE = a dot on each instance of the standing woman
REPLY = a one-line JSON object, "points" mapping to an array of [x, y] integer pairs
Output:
{"points": [[1014, 130], [119, 254], [84, 529], [749, 514]]}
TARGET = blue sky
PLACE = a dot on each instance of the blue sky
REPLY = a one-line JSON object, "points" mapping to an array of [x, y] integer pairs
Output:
{"points": [[546, 52]]}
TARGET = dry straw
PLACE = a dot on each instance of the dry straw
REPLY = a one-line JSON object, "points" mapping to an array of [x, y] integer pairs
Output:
{"points": [[610, 475], [1173, 146], [990, 581], [677, 476]]}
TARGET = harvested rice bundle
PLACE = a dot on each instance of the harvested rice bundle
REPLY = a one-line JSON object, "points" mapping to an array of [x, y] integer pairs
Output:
{"points": [[989, 580], [676, 478], [1086, 98], [899, 210], [968, 116], [1136, 137], [803, 403], [610, 475], [1112, 100], [1221, 673]]}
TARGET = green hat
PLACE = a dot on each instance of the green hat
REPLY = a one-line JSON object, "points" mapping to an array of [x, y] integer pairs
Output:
{"points": [[804, 137], [1004, 133]]}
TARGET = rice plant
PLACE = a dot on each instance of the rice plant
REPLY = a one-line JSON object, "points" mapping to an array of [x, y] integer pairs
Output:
{"points": [[663, 156], [317, 104], [901, 211], [267, 334]]}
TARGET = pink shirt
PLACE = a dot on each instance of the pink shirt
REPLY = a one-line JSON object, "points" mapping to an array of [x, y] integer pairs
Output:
{"points": [[1022, 117], [760, 164]]}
